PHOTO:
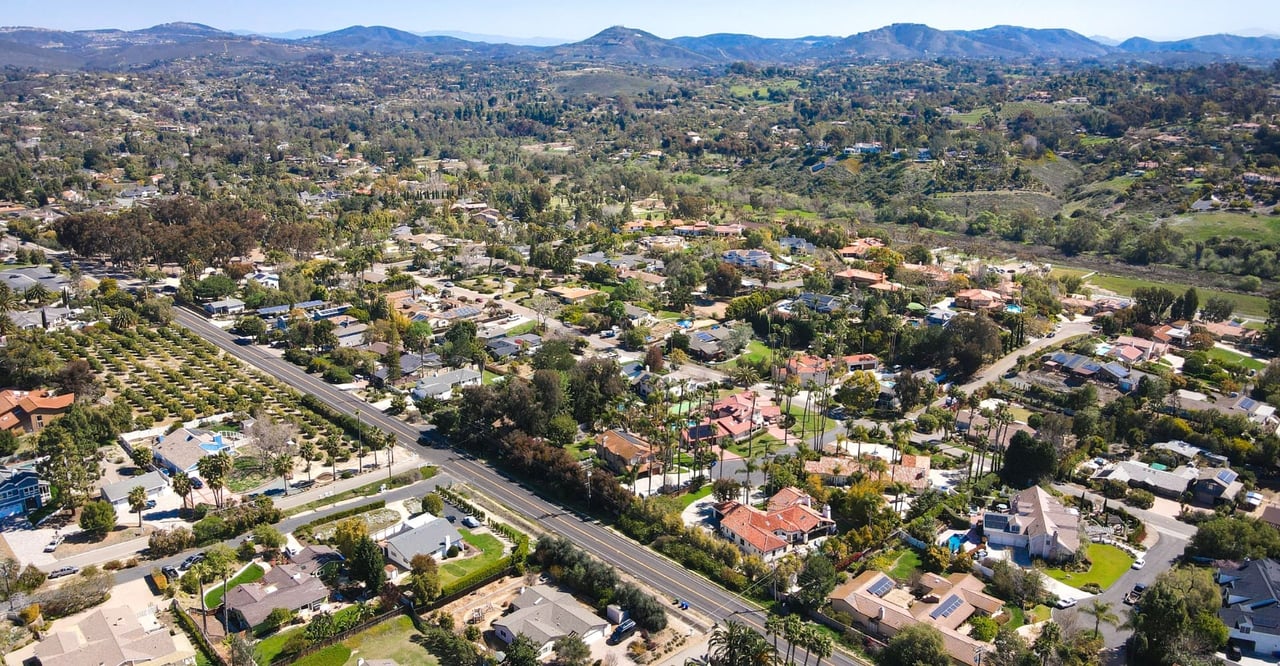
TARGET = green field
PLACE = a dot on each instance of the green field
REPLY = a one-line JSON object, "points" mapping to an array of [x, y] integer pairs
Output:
{"points": [[393, 639], [1118, 185], [1228, 357], [687, 499], [1202, 226], [745, 91], [1246, 304], [1089, 141], [971, 117], [214, 597], [1037, 109], [268, 648], [755, 352], [456, 569], [1109, 563]]}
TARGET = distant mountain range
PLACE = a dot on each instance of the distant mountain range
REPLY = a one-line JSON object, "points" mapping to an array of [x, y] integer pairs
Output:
{"points": [[116, 49]]}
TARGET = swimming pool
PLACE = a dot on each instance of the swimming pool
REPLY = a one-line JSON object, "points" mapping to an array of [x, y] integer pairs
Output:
{"points": [[955, 542]]}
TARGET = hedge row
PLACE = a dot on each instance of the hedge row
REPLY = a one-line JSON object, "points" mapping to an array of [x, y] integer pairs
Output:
{"points": [[354, 427]]}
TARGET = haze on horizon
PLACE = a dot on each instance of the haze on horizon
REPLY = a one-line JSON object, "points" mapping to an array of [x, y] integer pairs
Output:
{"points": [[573, 20]]}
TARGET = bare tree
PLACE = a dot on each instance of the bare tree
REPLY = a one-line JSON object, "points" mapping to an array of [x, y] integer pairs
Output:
{"points": [[272, 439]]}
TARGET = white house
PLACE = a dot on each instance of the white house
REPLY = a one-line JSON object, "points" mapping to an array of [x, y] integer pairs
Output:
{"points": [[441, 387], [545, 615], [421, 535], [155, 483]]}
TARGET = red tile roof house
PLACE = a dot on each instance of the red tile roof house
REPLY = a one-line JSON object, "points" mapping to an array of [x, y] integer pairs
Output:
{"points": [[789, 521], [913, 471], [805, 368], [859, 248], [978, 299], [867, 362], [32, 410], [860, 277], [740, 414], [1149, 349]]}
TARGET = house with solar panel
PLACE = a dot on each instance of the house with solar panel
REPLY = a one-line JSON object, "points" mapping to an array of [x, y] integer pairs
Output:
{"points": [[1038, 522], [881, 608], [1216, 485]]}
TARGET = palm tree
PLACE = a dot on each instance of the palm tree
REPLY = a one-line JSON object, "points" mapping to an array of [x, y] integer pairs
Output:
{"points": [[773, 626], [282, 466], [1048, 641], [734, 644], [36, 293], [749, 465], [182, 486], [8, 300], [138, 501], [792, 628], [822, 646], [308, 451], [1101, 612]]}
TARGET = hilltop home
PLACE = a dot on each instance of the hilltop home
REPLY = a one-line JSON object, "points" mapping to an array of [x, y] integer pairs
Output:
{"points": [[31, 411], [1038, 522]]}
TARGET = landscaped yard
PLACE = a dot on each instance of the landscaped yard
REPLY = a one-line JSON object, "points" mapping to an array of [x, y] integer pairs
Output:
{"points": [[1109, 563], [808, 424], [455, 569], [393, 640], [214, 597], [758, 444], [689, 498], [906, 563], [269, 648], [1229, 357]]}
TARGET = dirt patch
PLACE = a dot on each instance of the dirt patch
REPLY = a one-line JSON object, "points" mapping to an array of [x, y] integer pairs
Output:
{"points": [[81, 542]]}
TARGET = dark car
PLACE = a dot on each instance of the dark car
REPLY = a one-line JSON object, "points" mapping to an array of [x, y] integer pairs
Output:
{"points": [[63, 571], [151, 504], [623, 631], [171, 573], [196, 483], [452, 519]]}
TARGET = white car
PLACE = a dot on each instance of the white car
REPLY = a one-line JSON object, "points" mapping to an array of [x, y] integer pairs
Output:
{"points": [[1066, 603], [1138, 563]]}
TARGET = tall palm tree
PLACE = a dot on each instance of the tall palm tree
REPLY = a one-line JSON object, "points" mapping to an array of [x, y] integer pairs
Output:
{"points": [[1101, 612], [734, 644], [182, 486], [792, 628], [773, 626], [822, 647], [8, 300]]}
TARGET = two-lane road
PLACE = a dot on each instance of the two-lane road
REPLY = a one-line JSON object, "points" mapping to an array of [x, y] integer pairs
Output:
{"points": [[656, 571]]}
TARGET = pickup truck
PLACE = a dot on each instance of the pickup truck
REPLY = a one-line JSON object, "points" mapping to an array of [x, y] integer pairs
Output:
{"points": [[1135, 594]]}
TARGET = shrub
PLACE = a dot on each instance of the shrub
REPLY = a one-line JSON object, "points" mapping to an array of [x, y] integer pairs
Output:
{"points": [[160, 580], [1141, 499], [278, 617], [170, 542], [29, 614], [113, 565], [452, 552], [984, 628], [97, 518]]}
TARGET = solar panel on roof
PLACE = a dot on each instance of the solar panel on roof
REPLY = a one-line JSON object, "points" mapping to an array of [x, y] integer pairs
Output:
{"points": [[947, 607], [1227, 476], [1247, 403], [881, 587]]}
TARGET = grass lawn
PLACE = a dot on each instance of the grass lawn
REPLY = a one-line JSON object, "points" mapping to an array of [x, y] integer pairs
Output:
{"points": [[906, 563], [392, 639], [1246, 304], [814, 420], [1109, 563], [755, 352], [334, 655], [971, 117], [269, 648], [214, 597], [246, 475], [1016, 615], [1228, 357], [688, 499], [1041, 613], [455, 569], [526, 327], [489, 377], [1202, 226], [760, 443]]}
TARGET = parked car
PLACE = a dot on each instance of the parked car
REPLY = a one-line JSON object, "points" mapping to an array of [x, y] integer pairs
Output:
{"points": [[171, 573], [452, 519], [151, 504], [1066, 603], [1138, 563], [53, 545], [63, 571], [1135, 594], [191, 561], [623, 631], [196, 483], [470, 521]]}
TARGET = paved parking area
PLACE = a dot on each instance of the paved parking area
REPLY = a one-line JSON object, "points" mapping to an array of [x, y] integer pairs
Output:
{"points": [[28, 544]]}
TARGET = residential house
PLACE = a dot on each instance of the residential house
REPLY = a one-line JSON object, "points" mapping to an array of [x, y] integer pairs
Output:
{"points": [[740, 415], [224, 307], [879, 607], [1249, 593], [639, 316], [789, 520], [708, 344], [47, 317], [21, 279], [545, 615], [978, 299], [115, 636], [805, 368], [912, 471], [1148, 350], [182, 449], [865, 362], [409, 364], [282, 586], [21, 490], [572, 295], [442, 386], [623, 452], [514, 345], [935, 274], [1163, 482], [859, 277], [648, 279], [748, 259], [796, 245], [1259, 412], [859, 248], [1070, 363], [31, 411], [155, 483], [312, 560], [424, 534], [1038, 522], [1216, 485], [821, 303]]}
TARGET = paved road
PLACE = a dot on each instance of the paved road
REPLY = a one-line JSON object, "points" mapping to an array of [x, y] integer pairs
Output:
{"points": [[654, 570]]}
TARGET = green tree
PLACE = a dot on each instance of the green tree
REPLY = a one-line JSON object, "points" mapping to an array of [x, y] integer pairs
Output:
{"points": [[1178, 618], [919, 644], [97, 518], [734, 644], [348, 533], [859, 392], [138, 501], [522, 652], [816, 580], [214, 470], [268, 537], [182, 487], [1028, 461], [367, 564], [142, 457], [424, 578], [433, 504], [571, 651], [1101, 612]]}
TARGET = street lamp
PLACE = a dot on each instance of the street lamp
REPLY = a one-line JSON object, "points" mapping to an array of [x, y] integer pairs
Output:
{"points": [[360, 439]]}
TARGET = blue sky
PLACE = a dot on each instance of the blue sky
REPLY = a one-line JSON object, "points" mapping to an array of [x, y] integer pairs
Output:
{"points": [[577, 19]]}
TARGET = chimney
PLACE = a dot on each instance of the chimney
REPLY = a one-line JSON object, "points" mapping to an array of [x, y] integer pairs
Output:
{"points": [[880, 613]]}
